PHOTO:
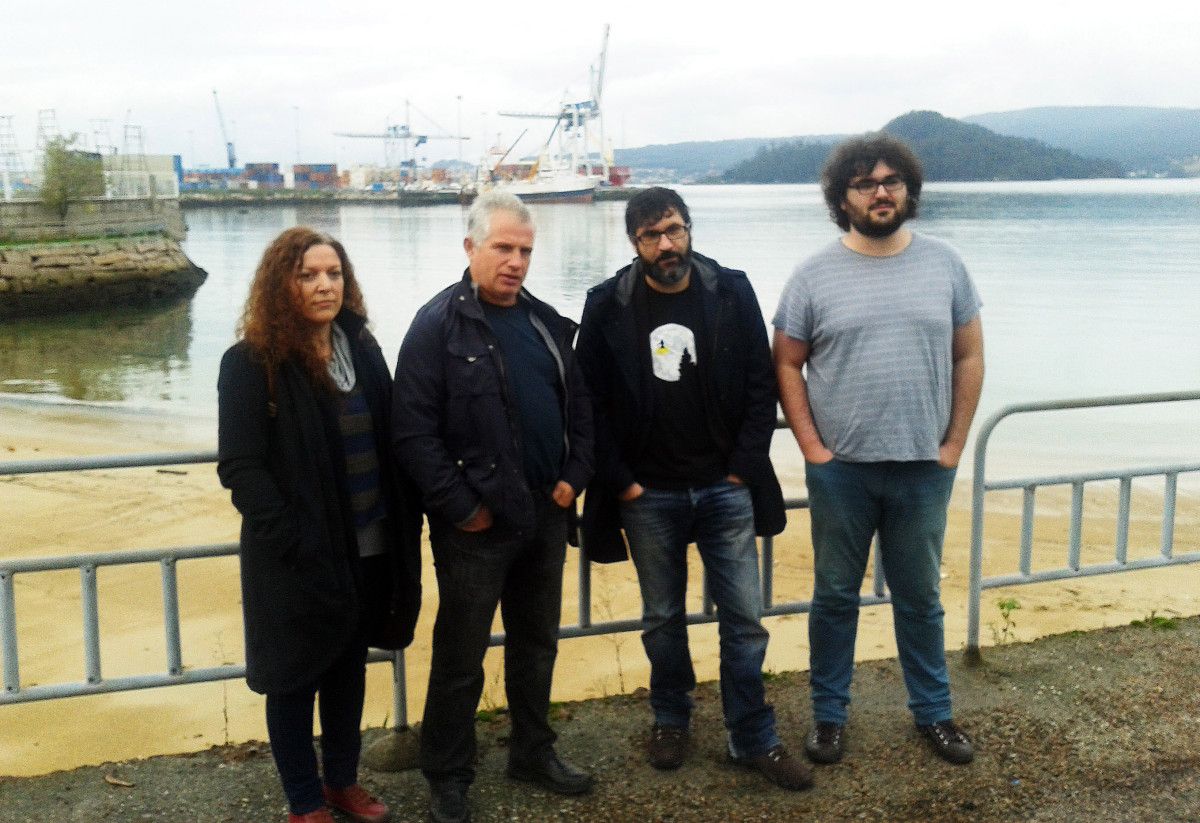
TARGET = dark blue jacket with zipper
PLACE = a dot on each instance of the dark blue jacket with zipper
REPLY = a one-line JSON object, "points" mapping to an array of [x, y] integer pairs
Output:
{"points": [[454, 425]]}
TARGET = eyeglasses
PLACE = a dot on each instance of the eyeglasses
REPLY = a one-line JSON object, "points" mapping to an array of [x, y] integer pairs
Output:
{"points": [[869, 185], [674, 234]]}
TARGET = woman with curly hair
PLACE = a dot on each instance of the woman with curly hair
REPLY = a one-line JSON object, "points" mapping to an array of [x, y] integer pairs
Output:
{"points": [[330, 538]]}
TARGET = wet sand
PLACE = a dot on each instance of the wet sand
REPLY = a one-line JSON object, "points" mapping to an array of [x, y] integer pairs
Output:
{"points": [[54, 514]]}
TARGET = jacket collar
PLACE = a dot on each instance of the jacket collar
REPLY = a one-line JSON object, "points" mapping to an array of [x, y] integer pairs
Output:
{"points": [[465, 299], [703, 268]]}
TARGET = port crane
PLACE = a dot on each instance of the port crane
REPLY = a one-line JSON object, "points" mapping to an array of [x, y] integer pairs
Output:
{"points": [[230, 154], [571, 119], [406, 137]]}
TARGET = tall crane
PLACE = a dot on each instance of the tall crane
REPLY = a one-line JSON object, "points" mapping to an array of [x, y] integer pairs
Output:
{"points": [[573, 117], [230, 154], [408, 139]]}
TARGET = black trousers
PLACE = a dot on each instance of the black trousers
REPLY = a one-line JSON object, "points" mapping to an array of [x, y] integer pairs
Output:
{"points": [[290, 728], [522, 571]]}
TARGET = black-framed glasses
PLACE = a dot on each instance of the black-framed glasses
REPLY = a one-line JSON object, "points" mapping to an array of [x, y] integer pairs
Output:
{"points": [[868, 185], [650, 237]]}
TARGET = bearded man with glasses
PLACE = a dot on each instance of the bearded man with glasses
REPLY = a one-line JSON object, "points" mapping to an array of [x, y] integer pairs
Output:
{"points": [[675, 353], [879, 354]]}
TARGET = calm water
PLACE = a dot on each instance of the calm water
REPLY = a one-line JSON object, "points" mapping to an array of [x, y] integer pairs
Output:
{"points": [[1089, 288]]}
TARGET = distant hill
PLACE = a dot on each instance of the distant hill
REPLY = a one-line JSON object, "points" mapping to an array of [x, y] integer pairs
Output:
{"points": [[952, 150], [689, 162], [1141, 138], [681, 162], [949, 150]]}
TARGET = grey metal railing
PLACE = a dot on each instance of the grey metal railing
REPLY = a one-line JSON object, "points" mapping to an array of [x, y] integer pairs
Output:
{"points": [[1074, 567], [177, 673]]}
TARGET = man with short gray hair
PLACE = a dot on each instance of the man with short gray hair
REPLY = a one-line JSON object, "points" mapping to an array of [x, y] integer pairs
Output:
{"points": [[879, 355], [492, 422]]}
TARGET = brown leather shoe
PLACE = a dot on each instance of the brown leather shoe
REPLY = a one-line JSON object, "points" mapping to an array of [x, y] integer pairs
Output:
{"points": [[358, 803], [321, 815], [778, 766], [668, 747]]}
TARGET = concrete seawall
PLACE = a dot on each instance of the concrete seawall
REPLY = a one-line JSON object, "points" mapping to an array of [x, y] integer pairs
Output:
{"points": [[45, 278]]}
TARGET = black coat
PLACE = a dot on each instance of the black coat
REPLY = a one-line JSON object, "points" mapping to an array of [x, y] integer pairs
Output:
{"points": [[280, 454], [454, 425], [738, 385]]}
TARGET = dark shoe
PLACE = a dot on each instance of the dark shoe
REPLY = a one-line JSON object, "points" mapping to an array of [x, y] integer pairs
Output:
{"points": [[778, 766], [948, 741], [551, 772], [668, 747], [826, 742], [358, 803], [321, 815], [448, 802]]}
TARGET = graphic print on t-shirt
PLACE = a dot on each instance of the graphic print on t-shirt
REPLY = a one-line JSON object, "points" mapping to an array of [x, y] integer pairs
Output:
{"points": [[672, 348]]}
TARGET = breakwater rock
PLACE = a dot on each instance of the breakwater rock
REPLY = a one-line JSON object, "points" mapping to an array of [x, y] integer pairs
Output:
{"points": [[47, 278]]}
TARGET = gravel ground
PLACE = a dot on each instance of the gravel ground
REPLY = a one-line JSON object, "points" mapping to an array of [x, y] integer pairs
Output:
{"points": [[1090, 726]]}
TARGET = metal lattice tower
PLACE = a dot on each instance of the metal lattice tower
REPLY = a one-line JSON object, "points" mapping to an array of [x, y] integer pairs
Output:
{"points": [[135, 177], [12, 170], [102, 137], [47, 128]]}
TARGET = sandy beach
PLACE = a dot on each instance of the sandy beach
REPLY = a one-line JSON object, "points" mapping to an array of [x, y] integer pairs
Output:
{"points": [[55, 514]]}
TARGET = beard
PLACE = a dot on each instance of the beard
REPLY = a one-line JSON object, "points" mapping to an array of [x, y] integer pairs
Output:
{"points": [[868, 226], [669, 269]]}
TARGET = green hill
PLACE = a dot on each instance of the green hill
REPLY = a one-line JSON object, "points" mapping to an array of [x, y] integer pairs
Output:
{"points": [[949, 150]]}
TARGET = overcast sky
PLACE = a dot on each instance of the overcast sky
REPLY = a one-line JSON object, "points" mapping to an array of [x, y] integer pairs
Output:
{"points": [[290, 74]]}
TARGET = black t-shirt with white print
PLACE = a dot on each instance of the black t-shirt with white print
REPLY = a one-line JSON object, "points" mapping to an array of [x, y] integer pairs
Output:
{"points": [[680, 451]]}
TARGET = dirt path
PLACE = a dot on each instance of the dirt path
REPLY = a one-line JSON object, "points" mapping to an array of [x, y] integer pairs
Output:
{"points": [[1101, 725]]}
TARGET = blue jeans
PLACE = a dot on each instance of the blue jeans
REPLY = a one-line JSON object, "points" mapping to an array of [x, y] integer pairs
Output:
{"points": [[522, 571], [905, 502], [720, 519]]}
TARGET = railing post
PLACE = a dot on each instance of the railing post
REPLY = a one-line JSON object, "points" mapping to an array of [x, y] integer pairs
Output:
{"points": [[8, 620], [1168, 525], [170, 595], [91, 623], [399, 691]]}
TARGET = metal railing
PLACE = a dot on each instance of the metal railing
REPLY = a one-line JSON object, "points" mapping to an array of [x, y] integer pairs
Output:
{"points": [[1074, 566], [177, 673]]}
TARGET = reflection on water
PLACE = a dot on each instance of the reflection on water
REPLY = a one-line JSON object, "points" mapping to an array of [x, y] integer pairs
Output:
{"points": [[109, 356], [1089, 288]]}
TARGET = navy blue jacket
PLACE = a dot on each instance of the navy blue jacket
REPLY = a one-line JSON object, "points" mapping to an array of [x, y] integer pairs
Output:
{"points": [[454, 425], [739, 390]]}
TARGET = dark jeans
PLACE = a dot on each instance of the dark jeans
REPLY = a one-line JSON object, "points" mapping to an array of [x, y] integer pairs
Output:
{"points": [[522, 571], [290, 727]]}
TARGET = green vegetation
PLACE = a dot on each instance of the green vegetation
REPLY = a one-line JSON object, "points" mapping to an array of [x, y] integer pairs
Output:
{"points": [[1007, 631], [949, 150], [953, 150], [1157, 622], [69, 175]]}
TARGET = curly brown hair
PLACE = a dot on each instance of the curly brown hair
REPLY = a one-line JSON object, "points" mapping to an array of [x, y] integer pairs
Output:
{"points": [[272, 323]]}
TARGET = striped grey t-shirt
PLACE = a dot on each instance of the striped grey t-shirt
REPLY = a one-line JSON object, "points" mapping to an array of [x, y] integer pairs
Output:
{"points": [[879, 331]]}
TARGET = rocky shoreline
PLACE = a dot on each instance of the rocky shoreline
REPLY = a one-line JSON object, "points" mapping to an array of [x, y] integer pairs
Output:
{"points": [[46, 278], [1101, 725]]}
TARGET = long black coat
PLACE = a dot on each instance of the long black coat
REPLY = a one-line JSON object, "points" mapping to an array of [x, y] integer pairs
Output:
{"points": [[281, 456], [738, 386]]}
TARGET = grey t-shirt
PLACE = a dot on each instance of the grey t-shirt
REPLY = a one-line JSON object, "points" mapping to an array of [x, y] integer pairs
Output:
{"points": [[880, 331]]}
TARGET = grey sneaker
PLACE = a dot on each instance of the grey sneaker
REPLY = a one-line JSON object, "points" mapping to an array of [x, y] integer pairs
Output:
{"points": [[668, 747], [778, 766], [948, 741], [826, 742]]}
